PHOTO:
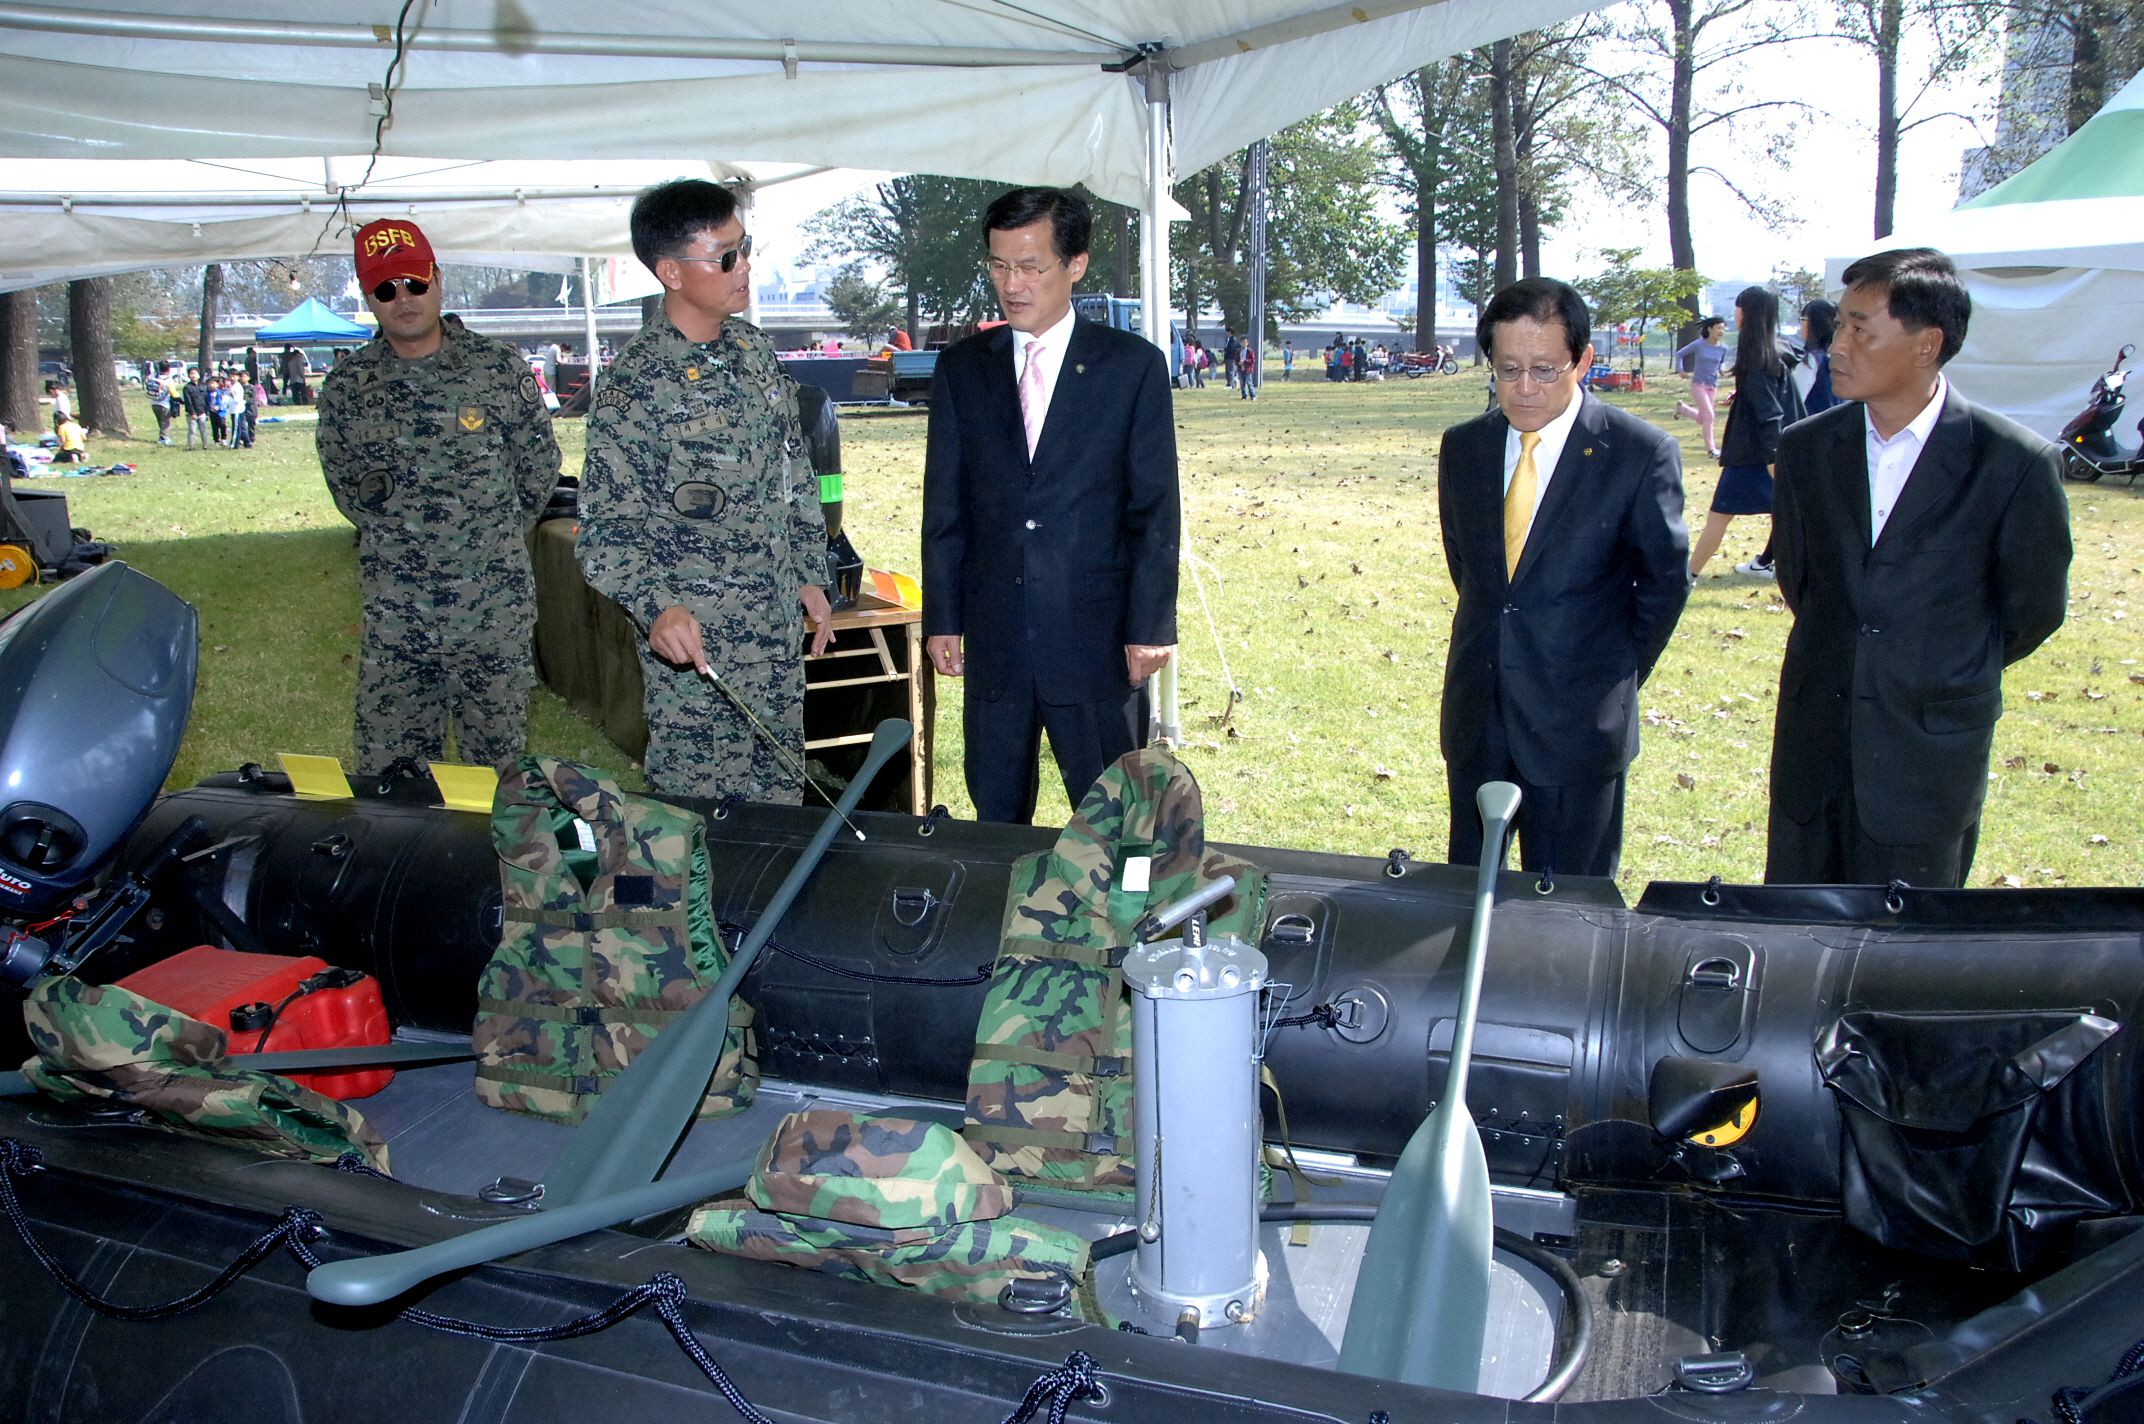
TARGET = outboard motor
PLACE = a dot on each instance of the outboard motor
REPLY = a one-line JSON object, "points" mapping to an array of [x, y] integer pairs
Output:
{"points": [[2091, 431], [96, 681]]}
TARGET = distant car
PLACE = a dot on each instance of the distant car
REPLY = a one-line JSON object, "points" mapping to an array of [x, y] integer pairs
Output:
{"points": [[128, 372]]}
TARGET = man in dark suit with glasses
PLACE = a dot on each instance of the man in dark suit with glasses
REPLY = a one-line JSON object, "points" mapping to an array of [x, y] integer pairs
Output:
{"points": [[1563, 530], [1049, 518]]}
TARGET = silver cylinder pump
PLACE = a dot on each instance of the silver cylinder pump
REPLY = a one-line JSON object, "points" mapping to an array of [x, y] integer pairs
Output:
{"points": [[1195, 1043]]}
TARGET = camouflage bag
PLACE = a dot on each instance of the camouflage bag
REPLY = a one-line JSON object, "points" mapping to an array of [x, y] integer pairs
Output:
{"points": [[608, 937], [1050, 1087], [890, 1201], [102, 1041]]}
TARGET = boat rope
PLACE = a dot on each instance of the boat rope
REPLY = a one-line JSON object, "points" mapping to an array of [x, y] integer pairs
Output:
{"points": [[1060, 1389], [734, 932], [2067, 1401], [19, 1159], [298, 1227]]}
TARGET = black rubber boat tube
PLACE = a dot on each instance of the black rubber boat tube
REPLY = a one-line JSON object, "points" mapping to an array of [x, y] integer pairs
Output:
{"points": [[1575, 1342]]}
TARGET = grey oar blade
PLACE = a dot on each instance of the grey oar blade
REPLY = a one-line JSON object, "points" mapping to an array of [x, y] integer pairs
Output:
{"points": [[369, 1280], [1421, 1303], [633, 1128], [305, 1060]]}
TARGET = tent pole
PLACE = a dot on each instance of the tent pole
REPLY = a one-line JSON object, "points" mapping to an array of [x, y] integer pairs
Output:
{"points": [[588, 314], [1167, 724]]}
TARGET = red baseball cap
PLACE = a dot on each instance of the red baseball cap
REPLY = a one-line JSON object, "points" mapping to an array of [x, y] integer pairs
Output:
{"points": [[391, 248]]}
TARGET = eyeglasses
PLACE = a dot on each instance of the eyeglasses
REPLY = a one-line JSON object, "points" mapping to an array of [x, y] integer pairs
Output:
{"points": [[415, 286], [999, 270], [728, 260], [1509, 374]]}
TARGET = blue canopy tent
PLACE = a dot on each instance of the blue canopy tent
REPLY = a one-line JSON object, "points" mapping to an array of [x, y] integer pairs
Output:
{"points": [[308, 322]]}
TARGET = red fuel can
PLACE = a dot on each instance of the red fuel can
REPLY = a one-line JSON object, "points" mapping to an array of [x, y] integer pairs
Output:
{"points": [[269, 1003]]}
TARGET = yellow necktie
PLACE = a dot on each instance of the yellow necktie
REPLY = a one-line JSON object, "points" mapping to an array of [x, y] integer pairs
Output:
{"points": [[1519, 501]]}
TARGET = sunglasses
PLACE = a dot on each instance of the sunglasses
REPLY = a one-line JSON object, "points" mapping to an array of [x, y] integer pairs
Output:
{"points": [[728, 260], [415, 286]]}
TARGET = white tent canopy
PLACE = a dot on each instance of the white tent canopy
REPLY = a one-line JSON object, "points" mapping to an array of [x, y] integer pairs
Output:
{"points": [[2054, 259], [1116, 94]]}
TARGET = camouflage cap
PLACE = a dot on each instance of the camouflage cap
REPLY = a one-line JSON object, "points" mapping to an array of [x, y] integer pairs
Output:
{"points": [[891, 1173]]}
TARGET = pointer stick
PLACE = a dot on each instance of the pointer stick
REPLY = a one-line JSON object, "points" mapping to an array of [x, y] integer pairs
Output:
{"points": [[774, 743]]}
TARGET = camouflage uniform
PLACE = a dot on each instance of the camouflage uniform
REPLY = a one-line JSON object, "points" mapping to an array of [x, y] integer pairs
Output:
{"points": [[104, 1041], [889, 1200], [697, 494], [443, 464]]}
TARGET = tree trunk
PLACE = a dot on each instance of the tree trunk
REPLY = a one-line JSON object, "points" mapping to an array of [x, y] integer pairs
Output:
{"points": [[1522, 145], [1507, 165], [915, 320], [1682, 249], [18, 363], [2089, 26], [1426, 180], [89, 328], [1888, 25], [211, 298], [1120, 221]]}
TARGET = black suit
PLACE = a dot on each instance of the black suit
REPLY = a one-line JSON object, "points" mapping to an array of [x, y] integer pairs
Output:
{"points": [[1541, 682], [1048, 568], [1892, 681]]}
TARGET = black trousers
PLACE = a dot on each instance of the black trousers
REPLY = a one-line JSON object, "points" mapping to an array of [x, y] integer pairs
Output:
{"points": [[1573, 830], [1833, 849], [1003, 753]]}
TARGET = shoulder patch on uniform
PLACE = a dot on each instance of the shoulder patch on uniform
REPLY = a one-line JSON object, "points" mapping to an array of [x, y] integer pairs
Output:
{"points": [[614, 399], [529, 392]]}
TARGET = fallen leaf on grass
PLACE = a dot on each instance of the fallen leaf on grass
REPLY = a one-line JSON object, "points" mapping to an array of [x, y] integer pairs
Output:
{"points": [[1686, 781], [2013, 762], [1734, 633], [348, 658], [221, 646], [1382, 773], [1390, 656], [1710, 843], [2008, 882], [1666, 840], [2050, 768], [2095, 840], [2038, 696]]}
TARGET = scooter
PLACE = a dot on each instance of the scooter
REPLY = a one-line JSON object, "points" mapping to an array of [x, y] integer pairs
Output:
{"points": [[2089, 449]]}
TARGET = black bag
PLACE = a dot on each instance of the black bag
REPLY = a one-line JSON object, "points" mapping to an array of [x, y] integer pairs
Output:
{"points": [[1970, 1136]]}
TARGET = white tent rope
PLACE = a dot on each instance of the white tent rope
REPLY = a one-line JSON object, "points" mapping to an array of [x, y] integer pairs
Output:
{"points": [[1193, 560]]}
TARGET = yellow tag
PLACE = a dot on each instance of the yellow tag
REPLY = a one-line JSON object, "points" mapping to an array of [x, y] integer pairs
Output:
{"points": [[1733, 1130], [692, 373], [472, 417], [315, 778], [465, 788]]}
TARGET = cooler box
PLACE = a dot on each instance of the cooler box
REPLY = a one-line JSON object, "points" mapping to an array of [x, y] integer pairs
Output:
{"points": [[313, 1006]]}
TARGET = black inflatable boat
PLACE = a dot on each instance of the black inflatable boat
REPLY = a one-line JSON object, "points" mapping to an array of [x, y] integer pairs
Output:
{"points": [[1936, 1224]]}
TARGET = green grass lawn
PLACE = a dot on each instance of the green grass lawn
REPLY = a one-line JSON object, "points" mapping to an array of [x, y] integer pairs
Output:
{"points": [[1312, 514]]}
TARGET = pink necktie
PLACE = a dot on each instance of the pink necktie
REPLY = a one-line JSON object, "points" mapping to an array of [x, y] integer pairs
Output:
{"points": [[1032, 405]]}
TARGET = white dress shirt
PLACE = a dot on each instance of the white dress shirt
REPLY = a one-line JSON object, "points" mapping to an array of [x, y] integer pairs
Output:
{"points": [[1891, 461], [1053, 342], [1554, 435]]}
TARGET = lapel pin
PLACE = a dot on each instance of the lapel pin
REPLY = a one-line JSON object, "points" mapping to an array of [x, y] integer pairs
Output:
{"points": [[1587, 451], [1079, 370]]}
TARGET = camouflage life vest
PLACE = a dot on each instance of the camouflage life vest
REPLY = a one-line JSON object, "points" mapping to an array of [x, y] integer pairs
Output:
{"points": [[102, 1041], [1050, 1088], [888, 1200], [607, 938]]}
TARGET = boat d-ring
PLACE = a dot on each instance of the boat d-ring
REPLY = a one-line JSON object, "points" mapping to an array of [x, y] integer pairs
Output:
{"points": [[1893, 899], [1711, 893], [930, 822], [1396, 862], [1546, 885], [729, 803]]}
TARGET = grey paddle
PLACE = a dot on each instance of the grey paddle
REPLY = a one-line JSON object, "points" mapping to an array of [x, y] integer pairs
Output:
{"points": [[633, 1128], [1421, 1302], [368, 1280], [304, 1060]]}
